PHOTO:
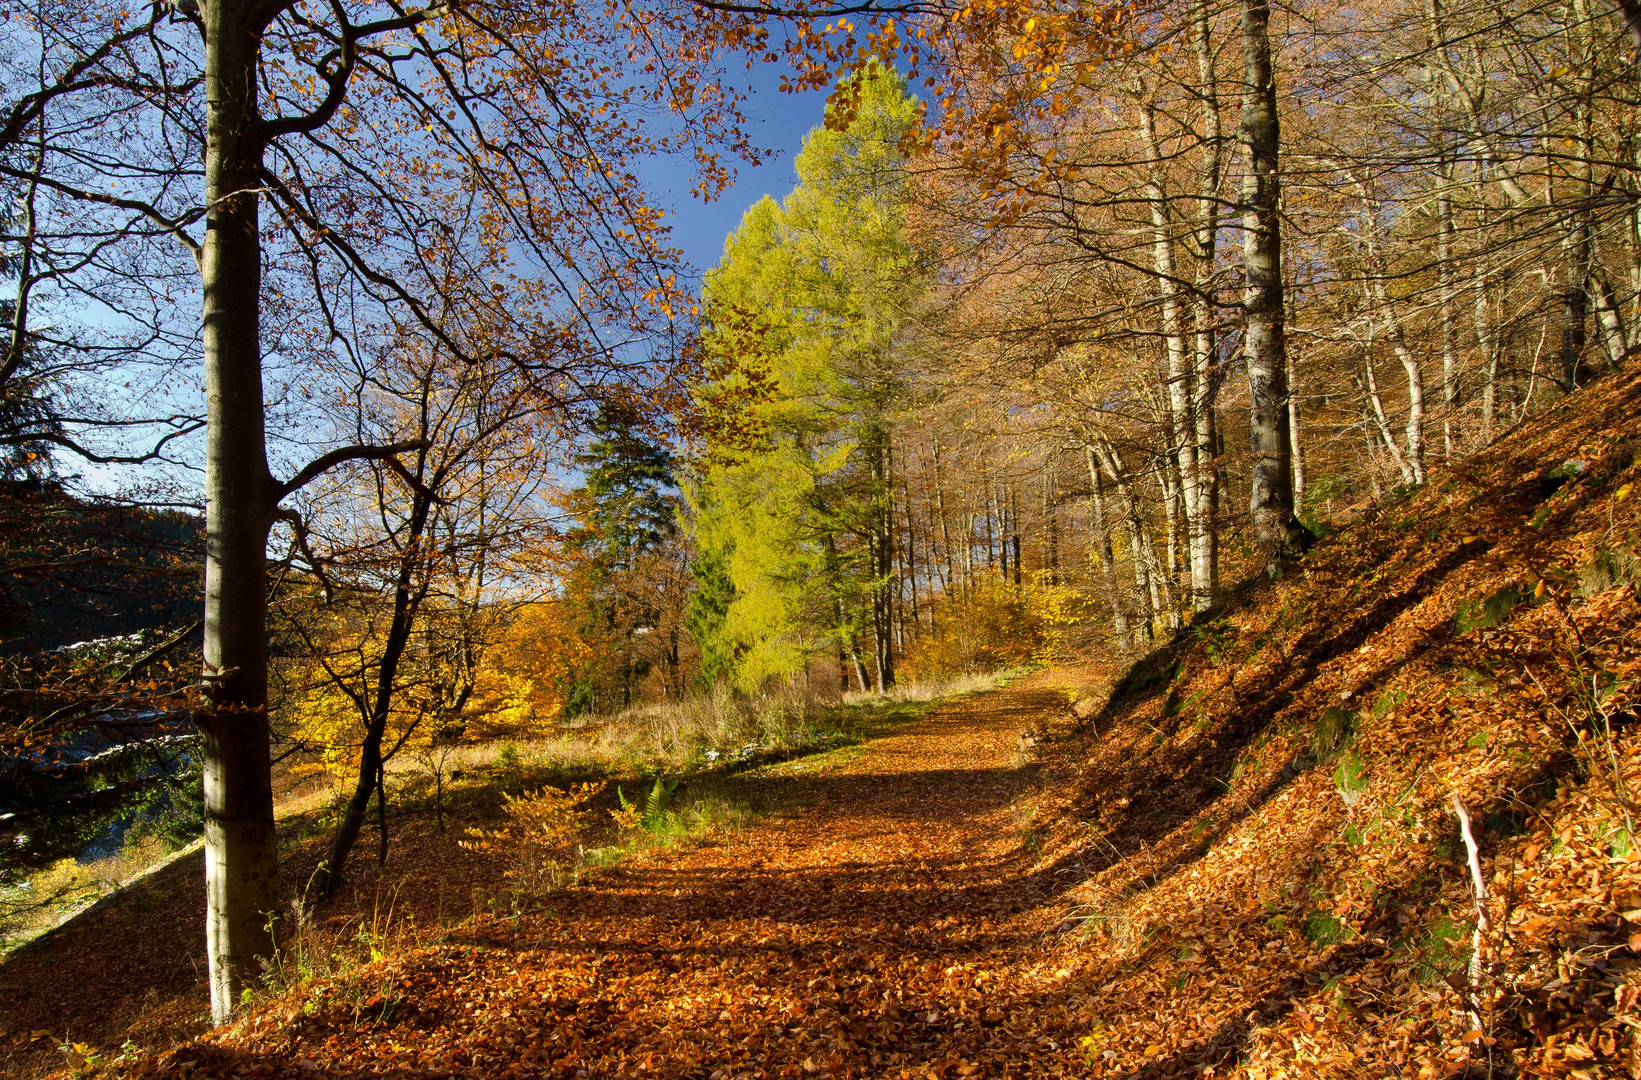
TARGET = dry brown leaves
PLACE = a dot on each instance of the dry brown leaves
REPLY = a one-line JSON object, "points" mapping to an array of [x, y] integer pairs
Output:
{"points": [[1199, 884]]}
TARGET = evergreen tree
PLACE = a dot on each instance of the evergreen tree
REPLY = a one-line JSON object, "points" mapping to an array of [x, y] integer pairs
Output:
{"points": [[802, 317], [626, 511], [626, 503]]}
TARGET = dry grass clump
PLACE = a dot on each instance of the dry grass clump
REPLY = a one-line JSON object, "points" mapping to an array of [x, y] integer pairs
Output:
{"points": [[713, 729]]}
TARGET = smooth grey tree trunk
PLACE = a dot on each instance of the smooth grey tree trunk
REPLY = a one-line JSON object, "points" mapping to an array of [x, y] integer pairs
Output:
{"points": [[1181, 392], [1102, 538], [240, 854], [1277, 532]]}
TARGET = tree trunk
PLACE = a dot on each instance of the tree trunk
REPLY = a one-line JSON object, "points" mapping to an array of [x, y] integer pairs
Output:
{"points": [[1102, 538], [1383, 422], [1575, 302], [407, 601], [1277, 532], [1180, 391], [240, 854], [945, 528], [1014, 531], [1296, 444], [1051, 511], [1487, 344], [883, 568], [1610, 318], [1141, 556], [910, 560], [1451, 435], [1205, 374]]}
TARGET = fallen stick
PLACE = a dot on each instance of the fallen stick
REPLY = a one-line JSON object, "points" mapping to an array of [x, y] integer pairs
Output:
{"points": [[1481, 903]]}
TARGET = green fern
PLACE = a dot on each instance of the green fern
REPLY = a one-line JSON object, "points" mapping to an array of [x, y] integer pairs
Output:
{"points": [[655, 807]]}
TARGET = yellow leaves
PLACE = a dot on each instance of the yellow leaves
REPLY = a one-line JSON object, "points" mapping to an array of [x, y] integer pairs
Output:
{"points": [[627, 818], [542, 828]]}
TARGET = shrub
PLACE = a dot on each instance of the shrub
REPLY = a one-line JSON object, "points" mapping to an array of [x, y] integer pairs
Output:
{"points": [[541, 828]]}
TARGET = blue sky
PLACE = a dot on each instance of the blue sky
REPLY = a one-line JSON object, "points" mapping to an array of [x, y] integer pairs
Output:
{"points": [[776, 122]]}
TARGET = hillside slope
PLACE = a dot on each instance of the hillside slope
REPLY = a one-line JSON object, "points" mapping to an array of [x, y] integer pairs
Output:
{"points": [[1280, 883], [1243, 859]]}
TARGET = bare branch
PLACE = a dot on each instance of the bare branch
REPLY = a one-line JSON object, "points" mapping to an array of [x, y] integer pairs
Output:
{"points": [[325, 462]]}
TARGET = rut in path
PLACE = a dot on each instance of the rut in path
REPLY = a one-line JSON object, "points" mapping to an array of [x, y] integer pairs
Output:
{"points": [[891, 921]]}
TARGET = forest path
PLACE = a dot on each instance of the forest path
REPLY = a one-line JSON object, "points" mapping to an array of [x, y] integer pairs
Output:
{"points": [[889, 919]]}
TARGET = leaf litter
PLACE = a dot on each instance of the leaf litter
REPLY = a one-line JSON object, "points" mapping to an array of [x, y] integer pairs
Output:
{"points": [[1238, 857]]}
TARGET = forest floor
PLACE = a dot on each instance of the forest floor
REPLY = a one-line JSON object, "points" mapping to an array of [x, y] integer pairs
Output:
{"points": [[884, 911], [1376, 818]]}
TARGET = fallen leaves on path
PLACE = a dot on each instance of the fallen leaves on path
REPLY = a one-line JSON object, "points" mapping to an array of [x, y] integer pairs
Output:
{"points": [[889, 924]]}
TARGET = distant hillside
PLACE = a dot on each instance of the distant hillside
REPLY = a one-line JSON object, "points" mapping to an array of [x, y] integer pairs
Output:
{"points": [[74, 569], [1267, 806]]}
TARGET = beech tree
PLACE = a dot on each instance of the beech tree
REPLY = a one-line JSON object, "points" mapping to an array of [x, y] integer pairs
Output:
{"points": [[401, 559], [292, 159]]}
